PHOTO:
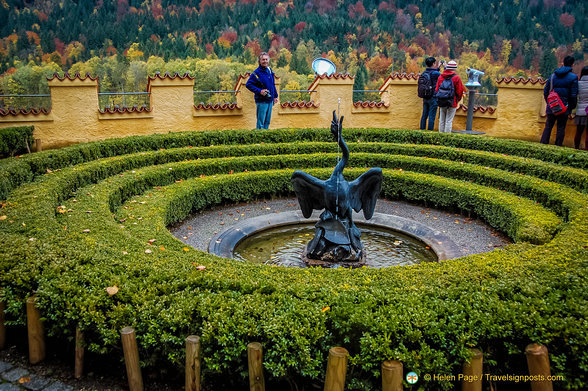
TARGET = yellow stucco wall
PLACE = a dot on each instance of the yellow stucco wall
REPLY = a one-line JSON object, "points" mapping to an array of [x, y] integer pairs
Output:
{"points": [[75, 116]]}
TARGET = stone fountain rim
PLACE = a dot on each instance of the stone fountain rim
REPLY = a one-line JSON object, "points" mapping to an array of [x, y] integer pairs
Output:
{"points": [[223, 243]]}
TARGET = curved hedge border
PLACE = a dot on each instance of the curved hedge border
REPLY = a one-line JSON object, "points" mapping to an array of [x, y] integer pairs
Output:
{"points": [[425, 316]]}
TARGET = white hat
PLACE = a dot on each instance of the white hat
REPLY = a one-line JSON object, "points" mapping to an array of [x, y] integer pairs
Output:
{"points": [[451, 65]]}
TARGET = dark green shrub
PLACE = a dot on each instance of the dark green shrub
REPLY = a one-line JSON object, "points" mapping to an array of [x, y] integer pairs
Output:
{"points": [[15, 140]]}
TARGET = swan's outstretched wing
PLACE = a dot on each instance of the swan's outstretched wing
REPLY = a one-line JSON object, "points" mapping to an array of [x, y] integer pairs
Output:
{"points": [[310, 192], [365, 190]]}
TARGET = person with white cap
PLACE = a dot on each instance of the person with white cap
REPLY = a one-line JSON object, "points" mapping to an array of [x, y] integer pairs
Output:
{"points": [[449, 91]]}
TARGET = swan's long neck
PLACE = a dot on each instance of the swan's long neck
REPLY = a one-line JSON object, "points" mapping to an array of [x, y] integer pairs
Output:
{"points": [[343, 162]]}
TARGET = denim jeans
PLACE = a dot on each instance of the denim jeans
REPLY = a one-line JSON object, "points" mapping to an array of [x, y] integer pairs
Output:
{"points": [[429, 111], [561, 120], [264, 114]]}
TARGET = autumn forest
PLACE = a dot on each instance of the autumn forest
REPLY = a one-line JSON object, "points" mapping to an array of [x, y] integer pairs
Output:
{"points": [[124, 41]]}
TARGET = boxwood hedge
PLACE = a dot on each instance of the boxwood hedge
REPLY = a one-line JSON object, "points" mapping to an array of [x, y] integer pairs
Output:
{"points": [[80, 219]]}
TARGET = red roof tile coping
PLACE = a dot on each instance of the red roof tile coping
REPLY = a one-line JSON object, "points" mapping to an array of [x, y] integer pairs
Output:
{"points": [[72, 77], [217, 106], [402, 76], [517, 80], [167, 75], [371, 104], [6, 112], [481, 109], [134, 109], [335, 76], [301, 105]]}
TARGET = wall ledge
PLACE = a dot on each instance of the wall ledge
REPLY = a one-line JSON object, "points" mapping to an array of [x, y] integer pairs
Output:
{"points": [[24, 115], [370, 107], [479, 111], [216, 110]]}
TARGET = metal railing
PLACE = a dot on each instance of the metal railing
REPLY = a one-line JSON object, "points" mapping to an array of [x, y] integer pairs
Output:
{"points": [[482, 99], [115, 100], [25, 101], [296, 95], [215, 97], [367, 96]]}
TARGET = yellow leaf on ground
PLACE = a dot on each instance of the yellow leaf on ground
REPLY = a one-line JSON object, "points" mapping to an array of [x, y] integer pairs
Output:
{"points": [[112, 290]]}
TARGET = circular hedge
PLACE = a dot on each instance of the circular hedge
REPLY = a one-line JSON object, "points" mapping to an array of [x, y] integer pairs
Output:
{"points": [[80, 219]]}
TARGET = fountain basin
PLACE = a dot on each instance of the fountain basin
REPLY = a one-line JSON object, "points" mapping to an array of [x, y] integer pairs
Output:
{"points": [[224, 243]]}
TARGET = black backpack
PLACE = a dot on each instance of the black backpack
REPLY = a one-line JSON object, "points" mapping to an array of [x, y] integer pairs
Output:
{"points": [[425, 86], [446, 93]]}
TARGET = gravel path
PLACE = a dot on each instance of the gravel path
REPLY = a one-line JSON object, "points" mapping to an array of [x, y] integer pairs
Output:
{"points": [[471, 235]]}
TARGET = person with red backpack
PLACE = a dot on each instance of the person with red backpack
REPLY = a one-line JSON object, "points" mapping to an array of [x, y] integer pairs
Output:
{"points": [[449, 91], [561, 96]]}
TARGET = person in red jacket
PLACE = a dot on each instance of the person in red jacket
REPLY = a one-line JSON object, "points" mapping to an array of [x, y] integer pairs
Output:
{"points": [[447, 97]]}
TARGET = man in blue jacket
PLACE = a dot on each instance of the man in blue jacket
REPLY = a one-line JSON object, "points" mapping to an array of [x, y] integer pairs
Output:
{"points": [[565, 83], [263, 84]]}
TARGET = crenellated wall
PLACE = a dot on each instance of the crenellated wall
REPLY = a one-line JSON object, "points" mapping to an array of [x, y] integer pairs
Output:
{"points": [[75, 116]]}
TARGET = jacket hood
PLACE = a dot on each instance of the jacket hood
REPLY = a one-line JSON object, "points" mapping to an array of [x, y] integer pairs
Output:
{"points": [[562, 71], [448, 72]]}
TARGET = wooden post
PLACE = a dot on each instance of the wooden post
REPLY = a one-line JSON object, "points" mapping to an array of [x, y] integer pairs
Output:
{"points": [[192, 363], [538, 362], [336, 369], [472, 372], [79, 354], [2, 325], [35, 332], [131, 352], [392, 372], [254, 359], [38, 146]]}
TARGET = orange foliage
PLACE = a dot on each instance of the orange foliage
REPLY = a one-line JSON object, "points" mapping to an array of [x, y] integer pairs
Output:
{"points": [[111, 51], [156, 9], [378, 66], [282, 9], [33, 38], [254, 47], [42, 16], [227, 38], [300, 26], [279, 42]]}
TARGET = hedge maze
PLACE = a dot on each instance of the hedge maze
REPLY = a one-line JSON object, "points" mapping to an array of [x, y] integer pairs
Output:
{"points": [[82, 219]]}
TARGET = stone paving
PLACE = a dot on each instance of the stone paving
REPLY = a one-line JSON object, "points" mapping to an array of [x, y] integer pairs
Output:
{"points": [[14, 378]]}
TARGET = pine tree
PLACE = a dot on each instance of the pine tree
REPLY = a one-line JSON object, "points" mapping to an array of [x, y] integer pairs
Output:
{"points": [[361, 79], [548, 63]]}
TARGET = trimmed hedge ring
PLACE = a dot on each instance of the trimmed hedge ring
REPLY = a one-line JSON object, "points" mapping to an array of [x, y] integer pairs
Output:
{"points": [[426, 315]]}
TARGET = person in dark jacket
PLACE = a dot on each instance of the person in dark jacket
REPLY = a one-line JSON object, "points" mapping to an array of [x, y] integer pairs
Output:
{"points": [[565, 83], [262, 83], [430, 105]]}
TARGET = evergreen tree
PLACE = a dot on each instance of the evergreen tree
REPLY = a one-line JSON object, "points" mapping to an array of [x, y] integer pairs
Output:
{"points": [[548, 64], [361, 79]]}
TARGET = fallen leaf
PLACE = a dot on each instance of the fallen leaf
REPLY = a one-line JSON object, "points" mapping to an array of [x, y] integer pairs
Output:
{"points": [[3, 217], [162, 248], [148, 251], [325, 309], [125, 253], [150, 241], [112, 290], [24, 379], [186, 249], [86, 231], [201, 267]]}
